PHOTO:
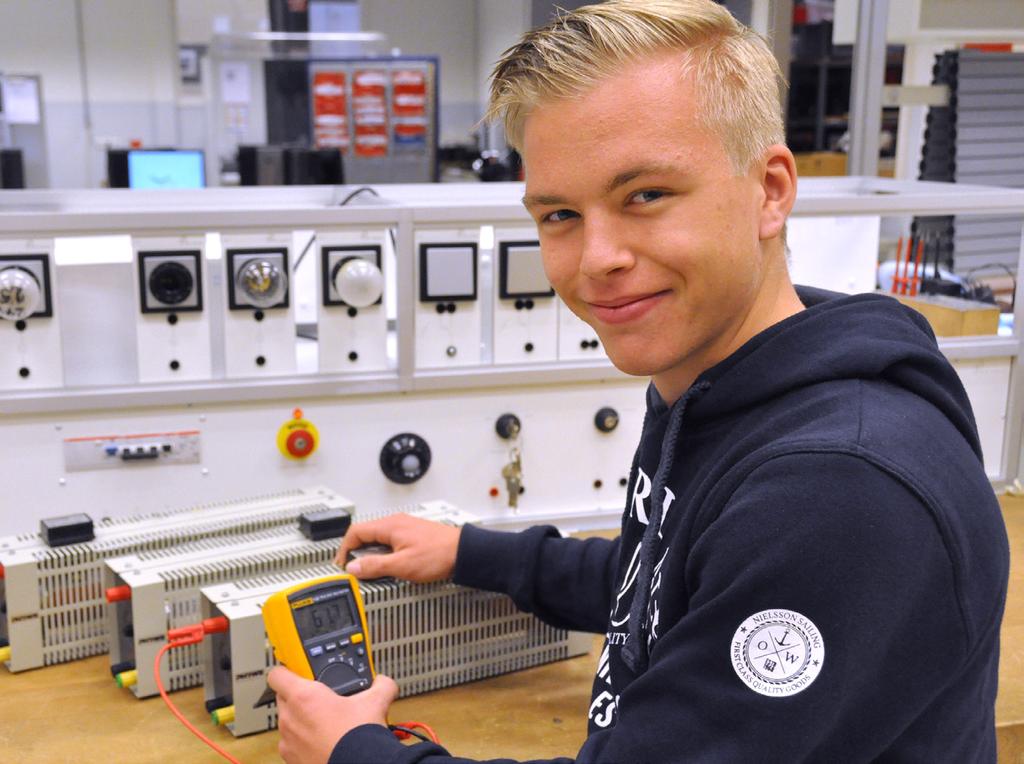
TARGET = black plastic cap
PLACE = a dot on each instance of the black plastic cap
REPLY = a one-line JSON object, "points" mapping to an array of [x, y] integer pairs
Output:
{"points": [[221, 701], [69, 529], [119, 668], [325, 524]]}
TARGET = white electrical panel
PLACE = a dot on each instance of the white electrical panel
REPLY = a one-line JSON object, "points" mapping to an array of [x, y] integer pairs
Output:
{"points": [[525, 307], [577, 340], [448, 313], [352, 322], [567, 464], [259, 321], [173, 331], [404, 394], [30, 340]]}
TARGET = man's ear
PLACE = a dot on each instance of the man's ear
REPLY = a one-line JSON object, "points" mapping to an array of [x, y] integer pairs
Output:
{"points": [[778, 180]]}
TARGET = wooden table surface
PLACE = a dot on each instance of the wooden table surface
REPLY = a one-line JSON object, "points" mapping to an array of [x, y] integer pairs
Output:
{"points": [[1010, 702], [74, 712]]}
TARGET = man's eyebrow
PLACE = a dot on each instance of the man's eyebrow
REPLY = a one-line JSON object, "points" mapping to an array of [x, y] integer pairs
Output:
{"points": [[542, 200], [621, 179], [655, 168]]}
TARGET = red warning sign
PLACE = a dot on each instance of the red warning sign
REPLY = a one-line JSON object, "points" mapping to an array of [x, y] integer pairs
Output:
{"points": [[370, 112], [330, 110], [409, 106]]}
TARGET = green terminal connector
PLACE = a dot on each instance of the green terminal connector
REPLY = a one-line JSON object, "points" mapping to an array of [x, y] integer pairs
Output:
{"points": [[222, 716]]}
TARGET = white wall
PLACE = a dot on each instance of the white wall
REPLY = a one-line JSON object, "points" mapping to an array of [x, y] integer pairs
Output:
{"points": [[26, 31], [131, 61], [446, 28], [196, 18], [130, 72], [499, 24]]}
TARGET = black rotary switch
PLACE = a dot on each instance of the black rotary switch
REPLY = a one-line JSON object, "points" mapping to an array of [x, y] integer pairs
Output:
{"points": [[606, 419], [508, 426], [405, 458], [171, 283], [337, 675]]}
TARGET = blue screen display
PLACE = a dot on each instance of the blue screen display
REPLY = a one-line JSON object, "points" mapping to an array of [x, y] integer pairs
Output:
{"points": [[165, 169]]}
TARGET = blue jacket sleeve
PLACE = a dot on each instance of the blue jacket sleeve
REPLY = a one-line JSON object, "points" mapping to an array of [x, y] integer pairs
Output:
{"points": [[565, 582], [374, 743]]}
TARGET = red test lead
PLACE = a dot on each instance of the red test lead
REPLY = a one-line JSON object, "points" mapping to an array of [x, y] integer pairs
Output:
{"points": [[190, 635], [896, 272]]}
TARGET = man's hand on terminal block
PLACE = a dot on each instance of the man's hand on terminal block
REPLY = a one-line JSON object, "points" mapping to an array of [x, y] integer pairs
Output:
{"points": [[422, 550]]}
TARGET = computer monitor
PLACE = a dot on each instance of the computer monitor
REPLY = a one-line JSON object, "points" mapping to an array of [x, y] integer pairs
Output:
{"points": [[166, 169]]}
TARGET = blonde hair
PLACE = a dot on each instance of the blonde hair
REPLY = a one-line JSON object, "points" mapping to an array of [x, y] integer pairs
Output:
{"points": [[736, 77]]}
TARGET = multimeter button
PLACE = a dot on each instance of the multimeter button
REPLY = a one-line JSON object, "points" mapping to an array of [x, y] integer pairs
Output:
{"points": [[360, 651], [315, 651], [357, 638], [332, 646]]}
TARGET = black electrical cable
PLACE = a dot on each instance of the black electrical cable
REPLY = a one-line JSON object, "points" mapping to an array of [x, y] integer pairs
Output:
{"points": [[342, 203], [356, 193], [1009, 272], [364, 189], [407, 731], [304, 251]]}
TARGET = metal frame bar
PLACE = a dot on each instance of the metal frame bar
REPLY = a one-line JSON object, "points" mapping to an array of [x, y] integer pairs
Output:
{"points": [[866, 86]]}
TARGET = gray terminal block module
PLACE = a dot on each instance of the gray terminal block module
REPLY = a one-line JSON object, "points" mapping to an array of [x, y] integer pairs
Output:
{"points": [[150, 593], [52, 605], [425, 636]]}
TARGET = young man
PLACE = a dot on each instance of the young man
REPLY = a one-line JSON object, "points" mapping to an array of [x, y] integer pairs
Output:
{"points": [[812, 564]]}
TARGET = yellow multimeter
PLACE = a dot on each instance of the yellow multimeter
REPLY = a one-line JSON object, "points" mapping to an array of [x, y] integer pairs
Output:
{"points": [[318, 630]]}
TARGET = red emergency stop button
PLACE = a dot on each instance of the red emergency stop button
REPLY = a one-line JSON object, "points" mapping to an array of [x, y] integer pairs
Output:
{"points": [[300, 443], [298, 437]]}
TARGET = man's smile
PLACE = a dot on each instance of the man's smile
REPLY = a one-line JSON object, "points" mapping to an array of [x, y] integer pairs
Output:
{"points": [[625, 308]]}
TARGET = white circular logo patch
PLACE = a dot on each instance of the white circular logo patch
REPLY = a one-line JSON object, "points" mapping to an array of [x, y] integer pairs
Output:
{"points": [[777, 653]]}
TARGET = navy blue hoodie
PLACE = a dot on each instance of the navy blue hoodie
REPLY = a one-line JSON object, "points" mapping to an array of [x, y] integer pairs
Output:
{"points": [[812, 564]]}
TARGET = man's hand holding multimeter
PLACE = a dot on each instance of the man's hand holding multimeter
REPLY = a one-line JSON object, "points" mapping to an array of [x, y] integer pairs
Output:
{"points": [[318, 631], [312, 717]]}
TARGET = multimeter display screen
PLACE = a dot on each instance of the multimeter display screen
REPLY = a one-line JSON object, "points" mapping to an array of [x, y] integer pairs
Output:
{"points": [[324, 617]]}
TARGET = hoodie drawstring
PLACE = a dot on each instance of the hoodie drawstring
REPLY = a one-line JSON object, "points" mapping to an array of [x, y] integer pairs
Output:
{"points": [[634, 652]]}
